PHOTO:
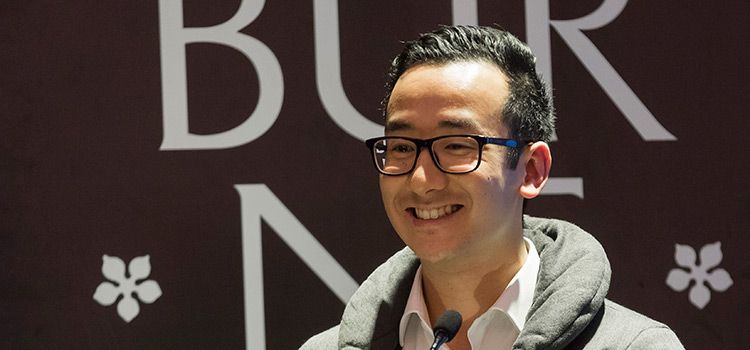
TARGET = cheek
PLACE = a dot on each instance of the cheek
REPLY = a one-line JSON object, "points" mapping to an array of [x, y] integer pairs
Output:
{"points": [[387, 191], [493, 190]]}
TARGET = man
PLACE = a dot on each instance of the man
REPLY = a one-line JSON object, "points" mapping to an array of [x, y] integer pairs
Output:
{"points": [[467, 125]]}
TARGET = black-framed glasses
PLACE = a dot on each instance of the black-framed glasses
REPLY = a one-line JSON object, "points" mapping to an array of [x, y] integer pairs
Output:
{"points": [[452, 154]]}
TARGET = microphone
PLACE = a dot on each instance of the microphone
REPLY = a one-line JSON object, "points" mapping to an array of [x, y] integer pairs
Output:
{"points": [[446, 328]]}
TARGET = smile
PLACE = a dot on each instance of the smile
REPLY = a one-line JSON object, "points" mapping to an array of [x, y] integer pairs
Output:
{"points": [[434, 213]]}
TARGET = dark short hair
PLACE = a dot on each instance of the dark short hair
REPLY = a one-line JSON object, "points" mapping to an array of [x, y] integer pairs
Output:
{"points": [[528, 113]]}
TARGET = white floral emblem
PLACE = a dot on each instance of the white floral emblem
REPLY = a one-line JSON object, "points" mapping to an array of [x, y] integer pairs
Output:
{"points": [[113, 268], [710, 257]]}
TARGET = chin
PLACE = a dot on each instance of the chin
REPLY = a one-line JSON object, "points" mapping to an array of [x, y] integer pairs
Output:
{"points": [[432, 253]]}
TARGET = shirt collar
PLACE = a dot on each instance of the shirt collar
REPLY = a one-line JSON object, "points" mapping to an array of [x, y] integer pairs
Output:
{"points": [[415, 307], [518, 296]]}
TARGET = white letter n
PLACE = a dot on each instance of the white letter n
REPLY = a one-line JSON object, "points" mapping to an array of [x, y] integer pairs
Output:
{"points": [[258, 202]]}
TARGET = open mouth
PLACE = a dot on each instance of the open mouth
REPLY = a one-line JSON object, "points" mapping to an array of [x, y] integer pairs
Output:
{"points": [[434, 213]]}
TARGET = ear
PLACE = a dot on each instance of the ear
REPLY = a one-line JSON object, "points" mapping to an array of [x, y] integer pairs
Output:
{"points": [[536, 163]]}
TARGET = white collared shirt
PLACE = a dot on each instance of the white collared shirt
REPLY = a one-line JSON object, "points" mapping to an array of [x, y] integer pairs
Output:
{"points": [[497, 328]]}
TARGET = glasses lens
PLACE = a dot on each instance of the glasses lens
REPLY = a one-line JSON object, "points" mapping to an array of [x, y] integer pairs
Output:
{"points": [[456, 154], [394, 155]]}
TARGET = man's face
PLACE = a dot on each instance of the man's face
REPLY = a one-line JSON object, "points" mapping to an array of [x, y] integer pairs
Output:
{"points": [[478, 211]]}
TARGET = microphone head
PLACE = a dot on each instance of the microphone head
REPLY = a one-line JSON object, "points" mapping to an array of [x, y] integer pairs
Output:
{"points": [[448, 324]]}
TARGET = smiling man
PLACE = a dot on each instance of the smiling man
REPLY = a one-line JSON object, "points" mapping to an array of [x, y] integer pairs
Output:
{"points": [[467, 125]]}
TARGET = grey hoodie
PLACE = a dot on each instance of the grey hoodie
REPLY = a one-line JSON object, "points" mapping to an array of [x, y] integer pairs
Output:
{"points": [[569, 309]]}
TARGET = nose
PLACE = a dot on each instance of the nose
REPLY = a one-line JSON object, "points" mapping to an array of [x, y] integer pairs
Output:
{"points": [[426, 176]]}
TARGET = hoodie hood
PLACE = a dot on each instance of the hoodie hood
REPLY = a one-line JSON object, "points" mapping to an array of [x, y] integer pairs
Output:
{"points": [[572, 284], [573, 281]]}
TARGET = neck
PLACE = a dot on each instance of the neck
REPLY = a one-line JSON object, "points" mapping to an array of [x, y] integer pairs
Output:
{"points": [[471, 287]]}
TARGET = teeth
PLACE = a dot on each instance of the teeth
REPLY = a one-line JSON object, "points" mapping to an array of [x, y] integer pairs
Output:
{"points": [[434, 213]]}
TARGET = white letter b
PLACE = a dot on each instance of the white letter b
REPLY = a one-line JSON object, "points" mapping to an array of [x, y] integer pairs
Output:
{"points": [[174, 37]]}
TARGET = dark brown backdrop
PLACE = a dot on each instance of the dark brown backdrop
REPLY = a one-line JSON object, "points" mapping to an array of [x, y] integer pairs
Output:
{"points": [[82, 173]]}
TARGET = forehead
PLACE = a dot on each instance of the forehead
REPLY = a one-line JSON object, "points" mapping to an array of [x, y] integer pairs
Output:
{"points": [[463, 95]]}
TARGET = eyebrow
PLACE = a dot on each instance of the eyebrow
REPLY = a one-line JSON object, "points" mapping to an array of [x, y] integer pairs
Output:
{"points": [[399, 125]]}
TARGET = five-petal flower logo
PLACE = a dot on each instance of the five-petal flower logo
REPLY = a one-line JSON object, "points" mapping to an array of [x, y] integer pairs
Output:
{"points": [[710, 257], [113, 268]]}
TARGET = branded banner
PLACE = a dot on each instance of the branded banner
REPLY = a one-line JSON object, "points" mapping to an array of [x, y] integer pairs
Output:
{"points": [[192, 174]]}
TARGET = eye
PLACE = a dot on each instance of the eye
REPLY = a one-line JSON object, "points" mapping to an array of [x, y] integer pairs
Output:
{"points": [[400, 147], [459, 147]]}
